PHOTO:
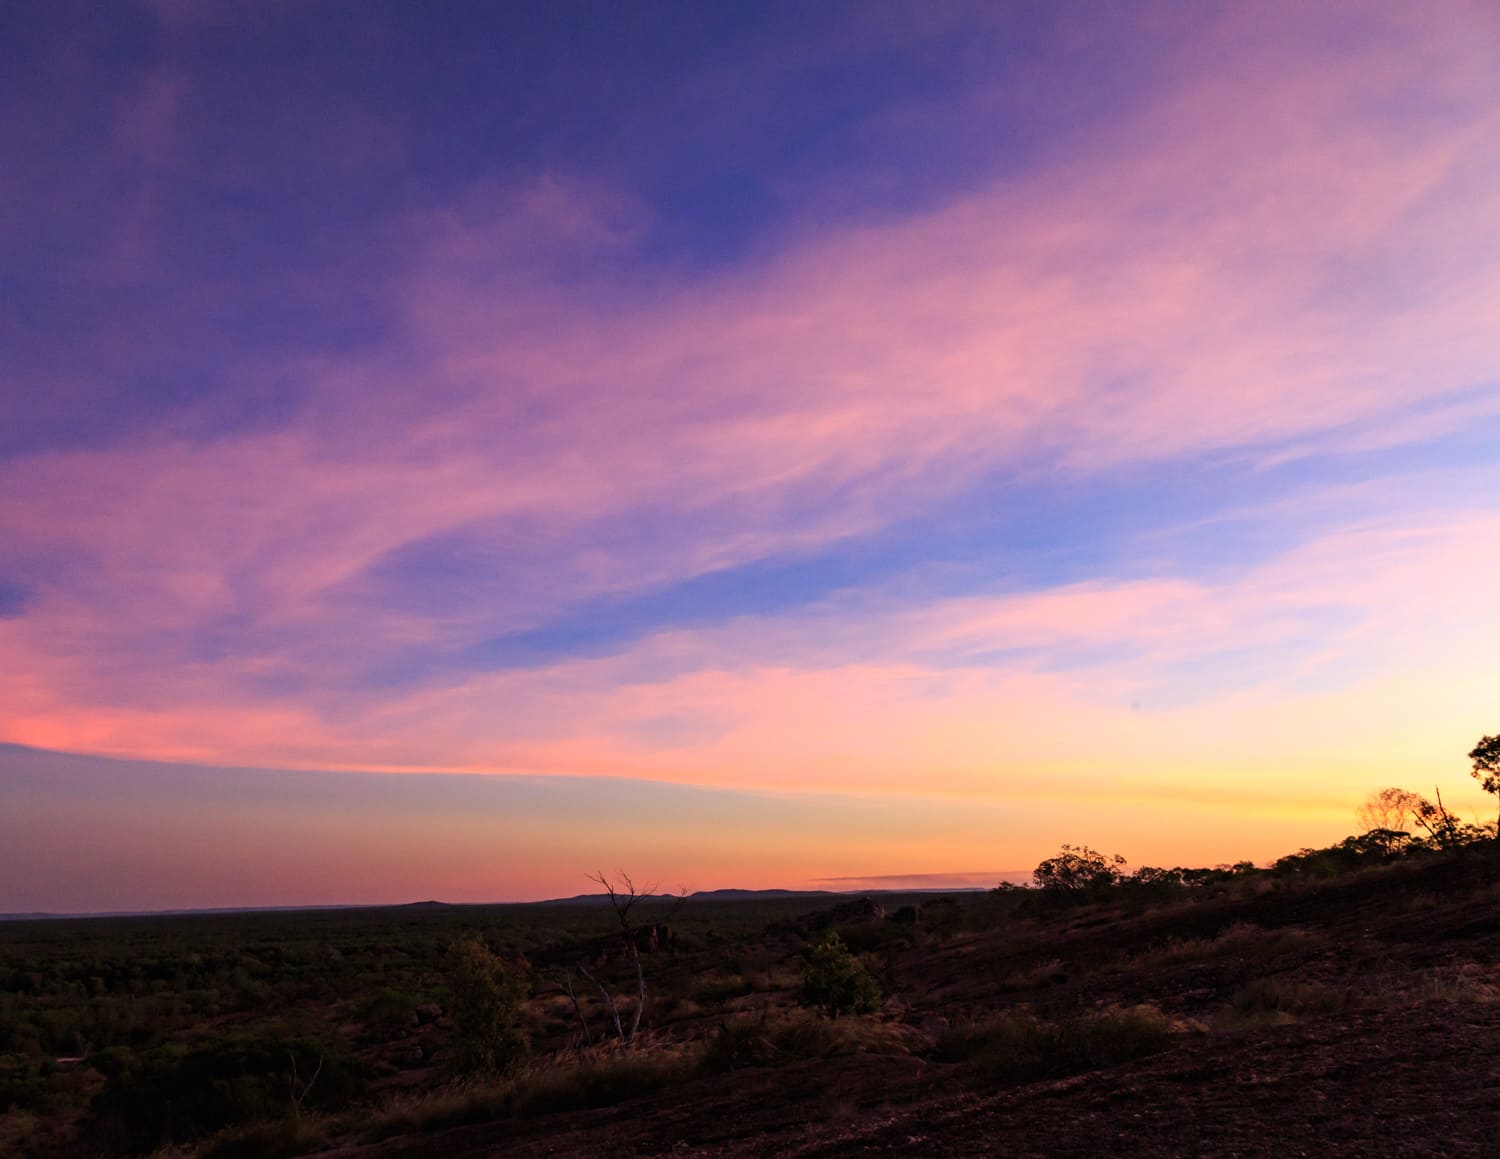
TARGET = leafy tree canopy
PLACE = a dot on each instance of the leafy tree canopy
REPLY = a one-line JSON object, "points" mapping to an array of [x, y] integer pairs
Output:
{"points": [[1078, 869]]}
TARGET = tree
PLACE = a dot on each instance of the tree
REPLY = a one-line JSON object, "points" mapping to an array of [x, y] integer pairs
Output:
{"points": [[623, 899], [1078, 869], [1486, 770], [1394, 810], [1440, 825], [835, 981], [1392, 814], [486, 998]]}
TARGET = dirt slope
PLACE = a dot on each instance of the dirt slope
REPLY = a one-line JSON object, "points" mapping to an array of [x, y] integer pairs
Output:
{"points": [[1389, 1043]]}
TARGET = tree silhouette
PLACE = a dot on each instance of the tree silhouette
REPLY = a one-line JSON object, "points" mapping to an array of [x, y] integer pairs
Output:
{"points": [[1486, 770], [1392, 810], [1077, 869]]}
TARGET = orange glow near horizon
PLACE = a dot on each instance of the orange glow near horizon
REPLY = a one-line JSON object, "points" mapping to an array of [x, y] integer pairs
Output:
{"points": [[1091, 440]]}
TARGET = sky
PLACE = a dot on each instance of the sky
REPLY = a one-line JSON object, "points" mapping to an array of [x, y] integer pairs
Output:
{"points": [[447, 450]]}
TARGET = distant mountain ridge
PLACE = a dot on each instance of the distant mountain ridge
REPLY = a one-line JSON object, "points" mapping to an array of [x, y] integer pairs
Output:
{"points": [[576, 899]]}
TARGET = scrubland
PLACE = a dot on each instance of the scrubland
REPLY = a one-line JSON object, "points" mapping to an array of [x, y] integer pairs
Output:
{"points": [[1343, 1001]]}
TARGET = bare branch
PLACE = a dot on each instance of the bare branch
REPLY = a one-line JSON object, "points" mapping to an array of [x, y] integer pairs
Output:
{"points": [[609, 1000], [300, 1092], [588, 1037], [678, 902], [640, 1003]]}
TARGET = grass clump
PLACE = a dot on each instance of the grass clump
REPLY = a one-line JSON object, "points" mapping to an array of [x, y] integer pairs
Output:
{"points": [[1047, 973], [768, 1041], [597, 1078], [739, 1043], [1240, 940], [1465, 985], [456, 1106], [1287, 999], [278, 1139], [1017, 1045], [600, 1082]]}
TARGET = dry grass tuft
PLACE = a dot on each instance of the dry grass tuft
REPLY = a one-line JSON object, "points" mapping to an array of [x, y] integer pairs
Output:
{"points": [[1241, 940], [1048, 973], [1018, 1045], [1284, 1000], [768, 1039]]}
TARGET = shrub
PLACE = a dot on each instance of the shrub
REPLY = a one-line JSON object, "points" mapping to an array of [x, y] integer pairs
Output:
{"points": [[486, 998], [835, 981]]}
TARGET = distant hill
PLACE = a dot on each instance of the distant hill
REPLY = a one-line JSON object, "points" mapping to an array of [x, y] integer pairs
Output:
{"points": [[580, 899], [754, 894], [182, 913]]}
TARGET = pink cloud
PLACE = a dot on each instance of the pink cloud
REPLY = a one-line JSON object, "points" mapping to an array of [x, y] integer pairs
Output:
{"points": [[1380, 638], [1178, 287]]}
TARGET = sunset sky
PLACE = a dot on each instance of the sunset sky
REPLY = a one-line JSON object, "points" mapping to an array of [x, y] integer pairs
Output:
{"points": [[446, 449]]}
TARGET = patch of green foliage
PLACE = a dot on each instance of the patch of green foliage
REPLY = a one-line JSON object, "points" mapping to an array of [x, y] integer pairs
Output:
{"points": [[486, 997], [835, 981]]}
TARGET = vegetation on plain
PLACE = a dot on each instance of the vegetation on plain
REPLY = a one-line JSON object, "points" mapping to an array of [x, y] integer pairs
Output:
{"points": [[276, 1034]]}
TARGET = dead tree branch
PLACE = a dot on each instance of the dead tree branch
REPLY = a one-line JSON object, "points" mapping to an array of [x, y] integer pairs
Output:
{"points": [[588, 1037], [299, 1091], [609, 1000]]}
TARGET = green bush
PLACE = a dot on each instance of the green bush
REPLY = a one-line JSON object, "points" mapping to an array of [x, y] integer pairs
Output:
{"points": [[835, 981], [486, 999]]}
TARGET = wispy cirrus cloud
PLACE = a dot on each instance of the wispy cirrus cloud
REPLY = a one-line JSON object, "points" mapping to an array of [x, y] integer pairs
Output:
{"points": [[1285, 253], [1357, 656]]}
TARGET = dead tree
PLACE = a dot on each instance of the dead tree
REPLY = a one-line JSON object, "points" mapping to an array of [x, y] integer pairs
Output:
{"points": [[1441, 825], [301, 1090], [624, 897]]}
